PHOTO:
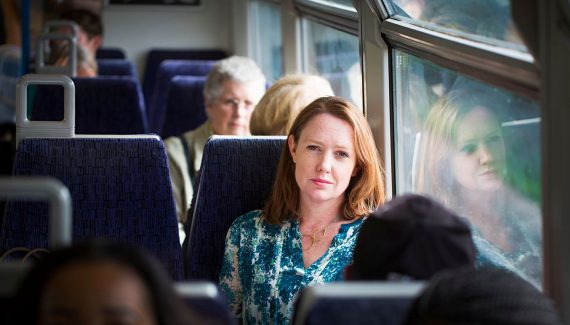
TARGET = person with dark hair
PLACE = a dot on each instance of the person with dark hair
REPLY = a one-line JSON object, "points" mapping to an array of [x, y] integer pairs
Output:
{"points": [[90, 28], [108, 282], [485, 296], [411, 237], [327, 180]]}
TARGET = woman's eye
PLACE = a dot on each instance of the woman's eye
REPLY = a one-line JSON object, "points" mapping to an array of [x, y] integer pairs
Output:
{"points": [[468, 149], [342, 154], [312, 147]]}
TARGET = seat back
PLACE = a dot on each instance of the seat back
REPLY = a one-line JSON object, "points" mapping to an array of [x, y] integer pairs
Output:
{"points": [[13, 272], [236, 176], [156, 56], [116, 67], [120, 189], [110, 53], [104, 105], [382, 303], [185, 109], [167, 70], [120, 186], [206, 300]]}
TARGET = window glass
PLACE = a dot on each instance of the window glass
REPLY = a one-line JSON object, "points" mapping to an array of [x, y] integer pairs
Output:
{"points": [[476, 149], [347, 3], [335, 56], [267, 40], [484, 20]]}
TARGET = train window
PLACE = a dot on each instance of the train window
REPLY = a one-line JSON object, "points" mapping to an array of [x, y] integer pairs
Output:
{"points": [[488, 21], [347, 3], [334, 55], [266, 35], [475, 148]]}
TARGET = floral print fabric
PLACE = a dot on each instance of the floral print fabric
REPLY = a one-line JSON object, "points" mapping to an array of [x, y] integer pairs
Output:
{"points": [[263, 267]]}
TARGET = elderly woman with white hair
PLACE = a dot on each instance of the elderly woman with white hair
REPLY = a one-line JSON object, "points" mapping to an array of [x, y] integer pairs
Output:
{"points": [[232, 89]]}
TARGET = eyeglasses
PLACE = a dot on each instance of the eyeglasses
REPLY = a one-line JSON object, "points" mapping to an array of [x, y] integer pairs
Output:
{"points": [[235, 102]]}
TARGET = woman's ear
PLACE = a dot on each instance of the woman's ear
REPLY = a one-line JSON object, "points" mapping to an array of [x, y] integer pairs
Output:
{"points": [[292, 147]]}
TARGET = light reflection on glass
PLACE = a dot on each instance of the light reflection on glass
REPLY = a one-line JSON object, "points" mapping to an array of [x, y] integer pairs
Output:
{"points": [[483, 20], [476, 149]]}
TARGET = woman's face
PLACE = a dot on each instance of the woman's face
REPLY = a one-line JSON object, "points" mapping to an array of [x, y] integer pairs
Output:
{"points": [[325, 159], [478, 158], [95, 293], [230, 113]]}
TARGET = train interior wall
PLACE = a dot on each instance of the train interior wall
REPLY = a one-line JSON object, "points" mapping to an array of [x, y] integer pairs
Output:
{"points": [[205, 27]]}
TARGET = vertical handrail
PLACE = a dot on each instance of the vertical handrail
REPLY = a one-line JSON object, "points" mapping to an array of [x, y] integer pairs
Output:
{"points": [[25, 13]]}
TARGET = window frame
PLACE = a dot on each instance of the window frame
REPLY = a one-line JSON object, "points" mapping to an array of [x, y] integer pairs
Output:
{"points": [[505, 68], [332, 15], [553, 54]]}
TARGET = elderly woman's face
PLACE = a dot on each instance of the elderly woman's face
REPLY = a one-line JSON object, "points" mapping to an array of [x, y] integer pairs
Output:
{"points": [[230, 113], [95, 293], [325, 159], [478, 158]]}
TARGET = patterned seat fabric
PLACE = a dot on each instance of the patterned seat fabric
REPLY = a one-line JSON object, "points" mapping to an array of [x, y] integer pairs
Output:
{"points": [[120, 188], [166, 72], [103, 105], [236, 176], [185, 109], [116, 67], [156, 56]]}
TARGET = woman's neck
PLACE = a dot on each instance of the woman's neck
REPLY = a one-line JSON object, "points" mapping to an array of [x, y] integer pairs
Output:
{"points": [[315, 215], [485, 211], [487, 202]]}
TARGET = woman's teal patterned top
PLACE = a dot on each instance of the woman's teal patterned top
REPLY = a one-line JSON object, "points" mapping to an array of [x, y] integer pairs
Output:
{"points": [[263, 267]]}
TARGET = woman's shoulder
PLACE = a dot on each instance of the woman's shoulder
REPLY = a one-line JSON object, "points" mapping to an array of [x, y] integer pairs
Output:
{"points": [[248, 220], [354, 224], [253, 222]]}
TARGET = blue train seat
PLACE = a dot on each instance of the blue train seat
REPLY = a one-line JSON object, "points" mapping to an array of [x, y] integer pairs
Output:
{"points": [[104, 105], [206, 300], [110, 53], [156, 56], [372, 303], [116, 67], [120, 188], [167, 70], [119, 184], [236, 176], [185, 109]]}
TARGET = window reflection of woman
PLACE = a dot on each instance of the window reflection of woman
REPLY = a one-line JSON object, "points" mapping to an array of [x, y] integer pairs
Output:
{"points": [[463, 163]]}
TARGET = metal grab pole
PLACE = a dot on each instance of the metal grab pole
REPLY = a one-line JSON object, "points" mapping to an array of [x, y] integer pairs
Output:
{"points": [[44, 188]]}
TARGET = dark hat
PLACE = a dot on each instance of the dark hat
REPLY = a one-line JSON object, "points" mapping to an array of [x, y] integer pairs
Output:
{"points": [[411, 236]]}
